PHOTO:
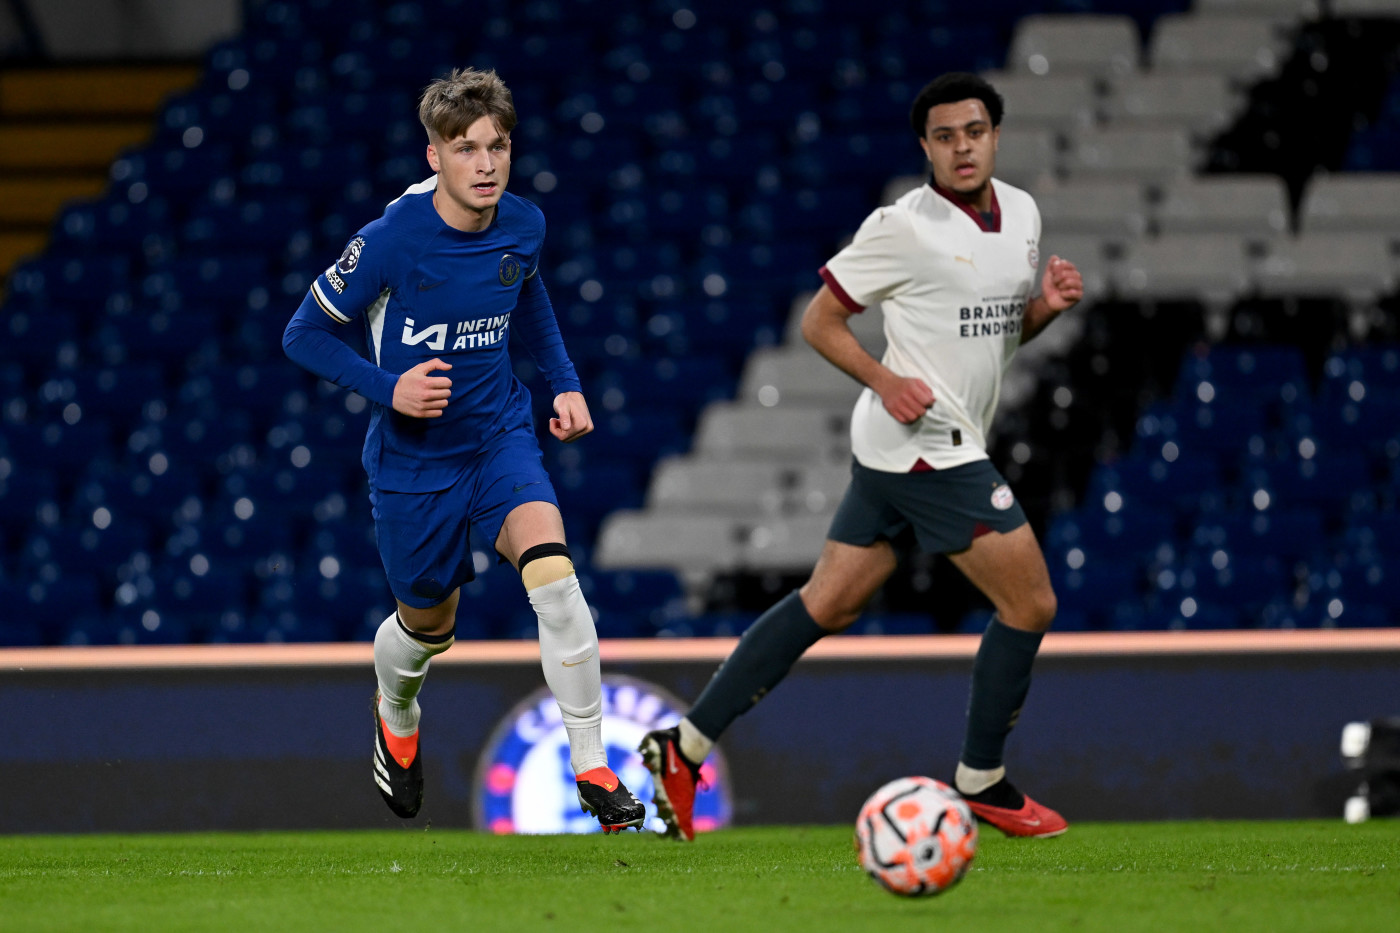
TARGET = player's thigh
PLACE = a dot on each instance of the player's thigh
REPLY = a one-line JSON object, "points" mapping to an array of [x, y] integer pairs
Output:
{"points": [[514, 505], [1009, 568], [527, 525], [844, 580], [424, 545]]}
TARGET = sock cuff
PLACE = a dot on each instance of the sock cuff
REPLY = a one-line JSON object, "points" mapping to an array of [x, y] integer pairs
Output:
{"points": [[441, 642], [1029, 641]]}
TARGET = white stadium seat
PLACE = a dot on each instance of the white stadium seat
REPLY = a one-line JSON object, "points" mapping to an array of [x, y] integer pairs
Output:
{"points": [[743, 488], [1110, 207], [1152, 155], [693, 545], [1243, 48], [788, 433], [1214, 267], [1202, 104], [794, 373], [818, 488], [1027, 157], [1352, 201], [1358, 266], [1088, 253], [1255, 205], [786, 544], [1074, 44], [1054, 102]]}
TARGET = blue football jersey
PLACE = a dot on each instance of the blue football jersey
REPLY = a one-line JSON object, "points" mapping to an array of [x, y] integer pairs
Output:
{"points": [[426, 290]]}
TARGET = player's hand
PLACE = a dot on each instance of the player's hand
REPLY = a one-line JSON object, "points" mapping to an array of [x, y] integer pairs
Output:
{"points": [[574, 421], [906, 399], [1062, 286], [419, 394]]}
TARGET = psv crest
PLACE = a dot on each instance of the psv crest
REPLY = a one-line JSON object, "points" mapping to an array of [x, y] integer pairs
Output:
{"points": [[510, 270]]}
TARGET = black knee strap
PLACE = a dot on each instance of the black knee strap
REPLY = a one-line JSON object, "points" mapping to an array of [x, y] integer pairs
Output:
{"points": [[544, 550], [427, 639]]}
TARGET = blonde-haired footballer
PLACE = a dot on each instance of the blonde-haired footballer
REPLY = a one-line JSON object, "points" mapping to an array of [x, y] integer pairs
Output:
{"points": [[442, 280], [953, 265]]}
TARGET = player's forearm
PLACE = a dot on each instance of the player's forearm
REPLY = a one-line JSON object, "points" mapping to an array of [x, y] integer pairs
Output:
{"points": [[321, 351], [1036, 317], [831, 336], [533, 320]]}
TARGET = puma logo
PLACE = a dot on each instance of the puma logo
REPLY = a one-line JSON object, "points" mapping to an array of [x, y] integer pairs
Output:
{"points": [[966, 259]]}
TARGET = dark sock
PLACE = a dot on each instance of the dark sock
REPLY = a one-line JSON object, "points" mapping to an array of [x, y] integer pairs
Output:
{"points": [[763, 657], [1001, 677]]}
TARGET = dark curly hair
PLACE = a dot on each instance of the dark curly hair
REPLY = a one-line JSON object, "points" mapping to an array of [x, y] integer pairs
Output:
{"points": [[949, 89]]}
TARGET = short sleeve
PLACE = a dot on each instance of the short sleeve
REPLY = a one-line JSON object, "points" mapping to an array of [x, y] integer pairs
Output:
{"points": [[354, 281], [875, 264]]}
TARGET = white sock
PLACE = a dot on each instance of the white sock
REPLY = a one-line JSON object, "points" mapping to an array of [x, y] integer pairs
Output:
{"points": [[401, 663], [973, 781], [569, 654], [695, 744]]}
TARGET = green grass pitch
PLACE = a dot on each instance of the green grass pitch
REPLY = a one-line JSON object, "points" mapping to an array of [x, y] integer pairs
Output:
{"points": [[1265, 876]]}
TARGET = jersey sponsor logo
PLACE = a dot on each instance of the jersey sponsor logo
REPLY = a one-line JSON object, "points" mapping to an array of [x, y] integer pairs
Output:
{"points": [[478, 334], [351, 257], [509, 271], [1033, 254], [992, 320], [336, 281], [1002, 498], [435, 335], [524, 783]]}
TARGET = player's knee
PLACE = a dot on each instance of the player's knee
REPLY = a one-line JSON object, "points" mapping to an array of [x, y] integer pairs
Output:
{"points": [[833, 613], [544, 564], [1037, 613]]}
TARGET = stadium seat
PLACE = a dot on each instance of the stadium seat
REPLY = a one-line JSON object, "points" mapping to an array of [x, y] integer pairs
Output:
{"points": [[1350, 202], [728, 429], [785, 544], [1358, 266], [1060, 103], [1244, 48], [687, 544], [1210, 266], [1150, 154], [1069, 44], [794, 375], [1111, 209], [1201, 104], [1254, 206], [741, 488], [1027, 157]]}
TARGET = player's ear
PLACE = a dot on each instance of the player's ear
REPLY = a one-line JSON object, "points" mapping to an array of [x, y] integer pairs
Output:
{"points": [[433, 162]]}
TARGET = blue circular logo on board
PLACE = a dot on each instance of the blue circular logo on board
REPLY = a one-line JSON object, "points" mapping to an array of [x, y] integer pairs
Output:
{"points": [[524, 783]]}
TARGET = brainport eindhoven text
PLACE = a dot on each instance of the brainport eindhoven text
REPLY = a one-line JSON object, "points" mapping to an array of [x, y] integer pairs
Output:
{"points": [[991, 320]]}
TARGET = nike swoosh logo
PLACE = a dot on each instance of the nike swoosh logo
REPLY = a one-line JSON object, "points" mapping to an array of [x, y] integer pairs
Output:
{"points": [[425, 285], [576, 664], [526, 485], [671, 765]]}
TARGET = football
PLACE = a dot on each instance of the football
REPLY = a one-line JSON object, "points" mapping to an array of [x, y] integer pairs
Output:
{"points": [[916, 836]]}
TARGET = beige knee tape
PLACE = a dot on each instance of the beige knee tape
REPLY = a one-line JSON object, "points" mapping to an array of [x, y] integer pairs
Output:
{"points": [[543, 571]]}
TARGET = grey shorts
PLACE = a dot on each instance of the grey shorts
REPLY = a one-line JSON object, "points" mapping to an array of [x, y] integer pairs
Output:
{"points": [[946, 509]]}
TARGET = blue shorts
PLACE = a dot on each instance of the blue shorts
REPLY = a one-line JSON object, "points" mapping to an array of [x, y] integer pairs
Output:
{"points": [[424, 537]]}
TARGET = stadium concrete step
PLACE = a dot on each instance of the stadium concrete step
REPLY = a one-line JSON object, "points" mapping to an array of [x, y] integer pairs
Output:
{"points": [[34, 199], [60, 129], [111, 91]]}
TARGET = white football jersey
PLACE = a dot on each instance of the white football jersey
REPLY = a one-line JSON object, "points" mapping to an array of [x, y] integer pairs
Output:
{"points": [[953, 288]]}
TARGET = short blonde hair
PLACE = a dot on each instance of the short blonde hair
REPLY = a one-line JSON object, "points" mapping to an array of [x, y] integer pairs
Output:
{"points": [[454, 102]]}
